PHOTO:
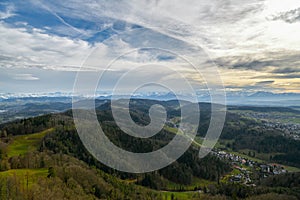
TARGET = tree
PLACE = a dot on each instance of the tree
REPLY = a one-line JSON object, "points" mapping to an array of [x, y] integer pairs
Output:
{"points": [[51, 172], [172, 196], [3, 133]]}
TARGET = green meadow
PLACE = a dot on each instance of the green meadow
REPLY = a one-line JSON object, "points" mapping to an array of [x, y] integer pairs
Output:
{"points": [[26, 143], [25, 176]]}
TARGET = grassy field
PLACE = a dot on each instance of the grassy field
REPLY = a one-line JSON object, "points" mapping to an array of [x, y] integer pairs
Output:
{"points": [[173, 130], [188, 196], [179, 132], [24, 175], [179, 195], [24, 172], [196, 183], [292, 169], [25, 143]]}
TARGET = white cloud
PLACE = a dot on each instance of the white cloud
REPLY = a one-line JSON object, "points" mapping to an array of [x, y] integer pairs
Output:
{"points": [[221, 27], [225, 29], [9, 11], [25, 77], [35, 48]]}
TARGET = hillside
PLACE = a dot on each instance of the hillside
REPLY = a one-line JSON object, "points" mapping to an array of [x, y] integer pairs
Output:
{"points": [[44, 156]]}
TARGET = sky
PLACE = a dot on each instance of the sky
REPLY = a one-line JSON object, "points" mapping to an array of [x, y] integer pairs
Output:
{"points": [[254, 44]]}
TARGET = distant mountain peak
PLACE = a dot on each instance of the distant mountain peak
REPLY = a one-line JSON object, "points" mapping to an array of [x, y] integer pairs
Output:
{"points": [[262, 94]]}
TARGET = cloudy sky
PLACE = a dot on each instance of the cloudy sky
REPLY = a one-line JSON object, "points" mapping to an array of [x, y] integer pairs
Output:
{"points": [[255, 44]]}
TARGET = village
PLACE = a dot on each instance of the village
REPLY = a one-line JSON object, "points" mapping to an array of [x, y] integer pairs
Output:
{"points": [[287, 124], [291, 130], [246, 170]]}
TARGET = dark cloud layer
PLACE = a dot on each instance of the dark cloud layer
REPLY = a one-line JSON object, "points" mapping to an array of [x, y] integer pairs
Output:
{"points": [[286, 70], [283, 62], [265, 82], [291, 16]]}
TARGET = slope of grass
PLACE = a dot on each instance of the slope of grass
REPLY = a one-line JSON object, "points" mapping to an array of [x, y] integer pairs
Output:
{"points": [[173, 130], [26, 143], [196, 183], [25, 176], [178, 195], [292, 169], [180, 132]]}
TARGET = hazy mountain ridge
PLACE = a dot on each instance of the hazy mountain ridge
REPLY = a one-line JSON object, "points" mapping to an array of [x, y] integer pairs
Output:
{"points": [[233, 98]]}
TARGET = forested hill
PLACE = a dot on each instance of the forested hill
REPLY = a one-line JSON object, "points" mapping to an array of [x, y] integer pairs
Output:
{"points": [[48, 149], [244, 132]]}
